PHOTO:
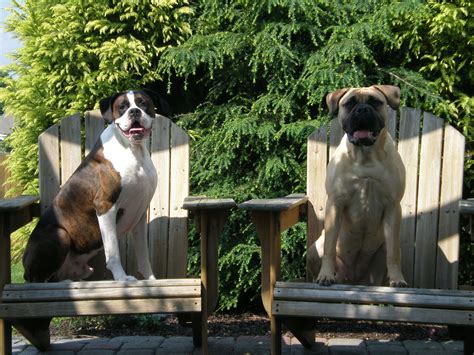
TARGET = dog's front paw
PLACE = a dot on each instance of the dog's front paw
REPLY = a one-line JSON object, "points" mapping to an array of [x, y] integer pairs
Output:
{"points": [[126, 278], [326, 278], [398, 283], [152, 277]]}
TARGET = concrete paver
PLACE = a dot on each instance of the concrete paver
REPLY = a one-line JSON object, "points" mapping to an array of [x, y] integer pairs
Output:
{"points": [[251, 345]]}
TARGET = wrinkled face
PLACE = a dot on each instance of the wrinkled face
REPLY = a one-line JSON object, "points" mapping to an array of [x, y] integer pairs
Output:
{"points": [[362, 114], [133, 113]]}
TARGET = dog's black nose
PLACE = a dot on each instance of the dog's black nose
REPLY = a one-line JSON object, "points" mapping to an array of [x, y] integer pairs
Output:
{"points": [[362, 109], [135, 113]]}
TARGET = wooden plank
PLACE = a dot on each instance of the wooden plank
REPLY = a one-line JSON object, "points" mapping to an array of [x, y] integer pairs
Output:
{"points": [[158, 228], [408, 147], [101, 294], [89, 308], [204, 203], [71, 152], [179, 190], [451, 193], [392, 123], [392, 298], [380, 289], [317, 159], [49, 180], [94, 125], [275, 204], [466, 206], [335, 135], [428, 201], [17, 203], [210, 224], [289, 218], [372, 312], [266, 224], [101, 284]]}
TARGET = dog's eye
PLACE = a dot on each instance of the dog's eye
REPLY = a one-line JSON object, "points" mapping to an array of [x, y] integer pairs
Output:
{"points": [[374, 102], [349, 103], [123, 107]]}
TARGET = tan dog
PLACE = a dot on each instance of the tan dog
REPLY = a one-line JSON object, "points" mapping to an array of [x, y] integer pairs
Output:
{"points": [[365, 182]]}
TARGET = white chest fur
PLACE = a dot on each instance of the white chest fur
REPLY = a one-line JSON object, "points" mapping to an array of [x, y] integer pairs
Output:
{"points": [[138, 176]]}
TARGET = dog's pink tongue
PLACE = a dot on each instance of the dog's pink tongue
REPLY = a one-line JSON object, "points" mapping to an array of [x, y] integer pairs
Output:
{"points": [[361, 134], [136, 130]]}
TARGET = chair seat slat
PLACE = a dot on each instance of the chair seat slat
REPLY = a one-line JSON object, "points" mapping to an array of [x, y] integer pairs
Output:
{"points": [[458, 301], [372, 312]]}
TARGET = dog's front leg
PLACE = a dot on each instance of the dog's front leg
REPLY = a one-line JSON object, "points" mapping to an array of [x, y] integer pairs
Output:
{"points": [[140, 243], [332, 226], [108, 229], [391, 229]]}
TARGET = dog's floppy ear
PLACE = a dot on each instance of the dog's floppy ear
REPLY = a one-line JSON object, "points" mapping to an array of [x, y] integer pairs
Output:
{"points": [[332, 99], [106, 107], [391, 93]]}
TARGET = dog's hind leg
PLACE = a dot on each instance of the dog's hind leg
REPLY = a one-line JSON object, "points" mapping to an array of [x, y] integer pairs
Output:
{"points": [[140, 243], [314, 257], [43, 257]]}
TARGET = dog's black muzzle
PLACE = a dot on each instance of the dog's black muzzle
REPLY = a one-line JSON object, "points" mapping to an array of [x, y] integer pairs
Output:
{"points": [[363, 125]]}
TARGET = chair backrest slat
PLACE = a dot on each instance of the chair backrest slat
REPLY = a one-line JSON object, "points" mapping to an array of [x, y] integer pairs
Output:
{"points": [[428, 201], [61, 150], [408, 147], [159, 207], [451, 193], [71, 152], [317, 153], [49, 170], [179, 189], [433, 155]]}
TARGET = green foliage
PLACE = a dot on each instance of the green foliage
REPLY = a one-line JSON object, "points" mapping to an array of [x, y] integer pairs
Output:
{"points": [[75, 53]]}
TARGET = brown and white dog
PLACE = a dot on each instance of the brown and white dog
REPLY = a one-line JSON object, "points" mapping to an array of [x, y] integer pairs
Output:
{"points": [[104, 199], [365, 182]]}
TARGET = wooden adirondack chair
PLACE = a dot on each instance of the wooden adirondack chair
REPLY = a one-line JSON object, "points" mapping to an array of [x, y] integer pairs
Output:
{"points": [[60, 152], [433, 156]]}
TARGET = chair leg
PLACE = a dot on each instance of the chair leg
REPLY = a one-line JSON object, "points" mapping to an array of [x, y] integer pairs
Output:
{"points": [[303, 329], [199, 324], [36, 331], [6, 337], [463, 333], [275, 326]]}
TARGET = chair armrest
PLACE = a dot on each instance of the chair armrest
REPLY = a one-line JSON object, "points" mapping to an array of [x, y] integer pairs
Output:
{"points": [[275, 204], [467, 206], [204, 203], [210, 216], [18, 211], [17, 203], [289, 209]]}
